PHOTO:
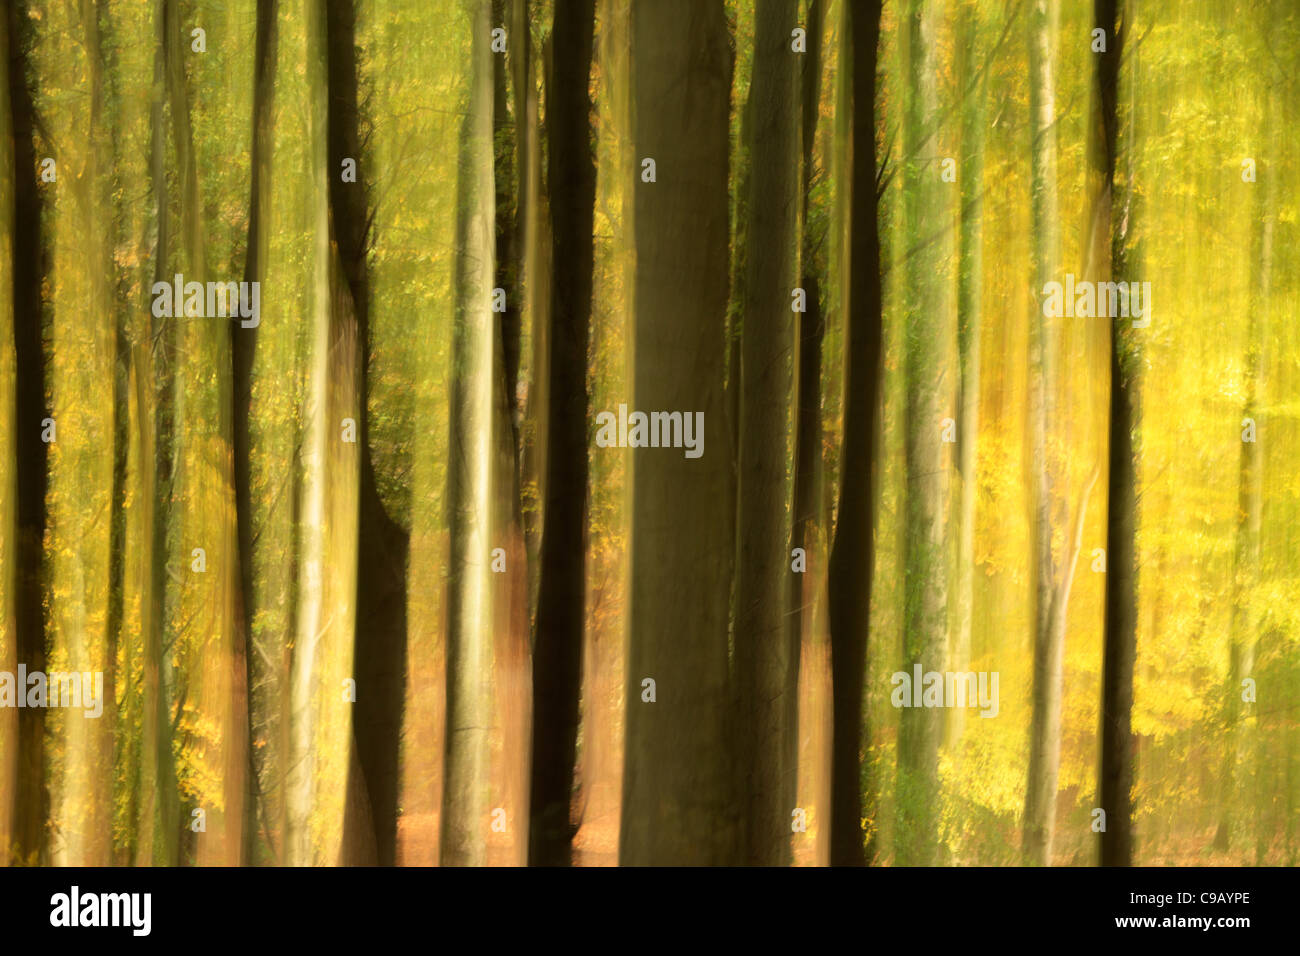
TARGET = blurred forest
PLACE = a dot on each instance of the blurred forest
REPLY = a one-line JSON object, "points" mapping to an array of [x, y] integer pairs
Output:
{"points": [[365, 588]]}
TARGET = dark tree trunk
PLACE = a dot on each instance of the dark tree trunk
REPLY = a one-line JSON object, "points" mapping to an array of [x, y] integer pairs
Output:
{"points": [[164, 799], [557, 650], [379, 651], [243, 348], [121, 433], [1116, 776], [510, 212], [31, 801], [849, 584], [807, 493]]}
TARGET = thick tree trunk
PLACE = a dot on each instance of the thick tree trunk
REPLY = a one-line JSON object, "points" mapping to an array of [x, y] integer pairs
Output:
{"points": [[379, 648], [678, 804], [464, 811], [557, 650], [852, 557], [763, 654]]}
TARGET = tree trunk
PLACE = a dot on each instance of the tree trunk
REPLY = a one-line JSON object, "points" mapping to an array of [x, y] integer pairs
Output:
{"points": [[31, 799], [764, 655], [510, 589], [1045, 729], [243, 348], [1250, 505], [930, 334], [970, 290], [9, 578], [533, 277], [1120, 648], [852, 557], [379, 648], [469, 474], [160, 813], [557, 650], [312, 505], [678, 804], [806, 592]]}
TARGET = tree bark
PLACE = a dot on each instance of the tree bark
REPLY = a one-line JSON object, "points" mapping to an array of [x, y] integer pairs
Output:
{"points": [[379, 645], [1250, 509], [9, 577], [1120, 646], [1049, 632], [510, 589], [764, 655], [31, 799], [929, 374], [243, 349], [678, 804], [557, 650], [160, 813], [469, 473], [312, 493], [852, 556], [807, 492], [970, 290]]}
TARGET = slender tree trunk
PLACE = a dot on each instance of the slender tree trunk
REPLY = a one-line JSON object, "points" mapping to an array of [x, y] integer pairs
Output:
{"points": [[678, 804], [469, 475], [160, 815], [764, 656], [530, 230], [243, 349], [83, 812], [1044, 741], [557, 651], [852, 556], [118, 554], [1111, 227], [31, 799], [310, 520], [930, 336], [806, 532], [1250, 504], [538, 288], [970, 290], [9, 578], [510, 588]]}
